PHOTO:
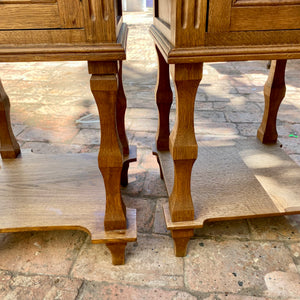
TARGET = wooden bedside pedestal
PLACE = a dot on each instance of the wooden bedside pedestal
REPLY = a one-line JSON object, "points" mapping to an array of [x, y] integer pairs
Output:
{"points": [[43, 192], [236, 179]]}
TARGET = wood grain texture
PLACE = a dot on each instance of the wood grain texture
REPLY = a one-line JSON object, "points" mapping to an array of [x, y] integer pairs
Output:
{"points": [[164, 99], [121, 106], [264, 45], [219, 15], [29, 16], [264, 2], [71, 13], [236, 180], [27, 1], [117, 252], [164, 11], [265, 18], [181, 239], [9, 147], [188, 21], [50, 192], [110, 160], [91, 22], [102, 20], [182, 141], [264, 31], [274, 92]]}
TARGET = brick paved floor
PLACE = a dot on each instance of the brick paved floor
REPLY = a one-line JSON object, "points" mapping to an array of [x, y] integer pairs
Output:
{"points": [[54, 111]]}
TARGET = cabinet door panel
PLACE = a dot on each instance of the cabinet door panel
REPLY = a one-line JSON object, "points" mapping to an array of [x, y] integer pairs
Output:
{"points": [[40, 14], [265, 17], [29, 16], [247, 15]]}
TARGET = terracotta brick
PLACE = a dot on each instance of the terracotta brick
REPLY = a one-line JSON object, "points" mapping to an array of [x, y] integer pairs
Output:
{"points": [[234, 266], [118, 291], [50, 252], [145, 212], [275, 228], [149, 262], [38, 287], [283, 284]]}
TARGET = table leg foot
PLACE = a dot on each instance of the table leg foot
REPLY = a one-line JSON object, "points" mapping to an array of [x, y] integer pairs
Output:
{"points": [[181, 239], [117, 251]]}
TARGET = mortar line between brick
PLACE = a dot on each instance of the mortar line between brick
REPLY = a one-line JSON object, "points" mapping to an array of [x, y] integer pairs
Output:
{"points": [[78, 253]]}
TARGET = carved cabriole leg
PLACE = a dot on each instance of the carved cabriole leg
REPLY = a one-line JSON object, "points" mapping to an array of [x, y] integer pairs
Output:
{"points": [[104, 86], [120, 113], [183, 145], [117, 251], [274, 93], [9, 145], [164, 99], [181, 239]]}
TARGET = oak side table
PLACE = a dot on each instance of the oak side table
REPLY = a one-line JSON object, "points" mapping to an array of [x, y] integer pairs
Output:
{"points": [[44, 192], [229, 180]]}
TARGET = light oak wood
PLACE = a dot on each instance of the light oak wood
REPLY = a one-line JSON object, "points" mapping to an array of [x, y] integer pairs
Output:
{"points": [[164, 11], [90, 22], [120, 110], [9, 147], [187, 34], [265, 18], [262, 24], [164, 99], [263, 2], [181, 239], [27, 1], [58, 192], [219, 16], [104, 88], [30, 16], [118, 252], [274, 92], [235, 180], [71, 13], [72, 30], [182, 142]]}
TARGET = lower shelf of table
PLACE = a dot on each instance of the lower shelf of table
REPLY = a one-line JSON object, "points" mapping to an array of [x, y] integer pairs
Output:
{"points": [[235, 180], [50, 192]]}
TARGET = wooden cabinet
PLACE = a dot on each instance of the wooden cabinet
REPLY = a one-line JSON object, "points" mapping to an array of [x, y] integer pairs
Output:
{"points": [[74, 26], [226, 181], [74, 195], [226, 29]]}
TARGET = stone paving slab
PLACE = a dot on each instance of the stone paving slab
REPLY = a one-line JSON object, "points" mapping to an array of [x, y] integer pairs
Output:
{"points": [[54, 111]]}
